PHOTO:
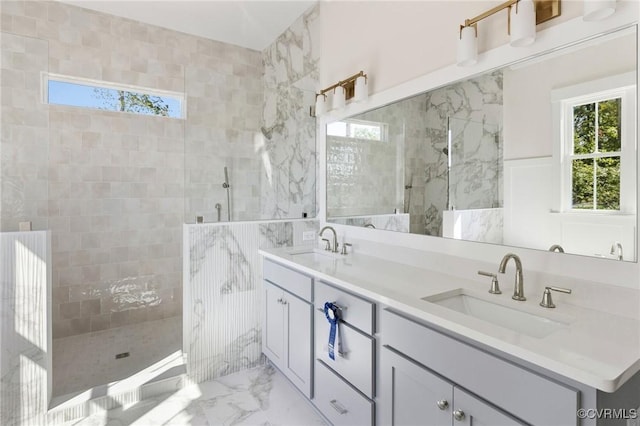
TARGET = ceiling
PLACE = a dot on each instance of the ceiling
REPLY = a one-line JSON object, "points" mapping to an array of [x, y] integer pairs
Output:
{"points": [[254, 24]]}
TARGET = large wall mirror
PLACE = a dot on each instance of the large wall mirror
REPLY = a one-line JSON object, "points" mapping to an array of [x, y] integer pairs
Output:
{"points": [[538, 154]]}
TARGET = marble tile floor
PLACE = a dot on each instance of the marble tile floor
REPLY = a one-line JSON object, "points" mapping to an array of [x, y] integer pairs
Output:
{"points": [[260, 396]]}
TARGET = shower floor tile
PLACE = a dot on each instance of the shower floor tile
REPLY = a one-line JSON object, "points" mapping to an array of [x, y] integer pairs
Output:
{"points": [[88, 360], [261, 396]]}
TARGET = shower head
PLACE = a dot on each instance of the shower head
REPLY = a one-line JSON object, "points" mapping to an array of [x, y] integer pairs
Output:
{"points": [[226, 178]]}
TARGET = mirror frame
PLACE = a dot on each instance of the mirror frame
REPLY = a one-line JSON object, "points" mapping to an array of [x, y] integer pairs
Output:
{"points": [[625, 274]]}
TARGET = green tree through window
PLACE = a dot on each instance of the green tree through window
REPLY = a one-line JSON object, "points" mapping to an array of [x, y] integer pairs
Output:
{"points": [[595, 161], [140, 103]]}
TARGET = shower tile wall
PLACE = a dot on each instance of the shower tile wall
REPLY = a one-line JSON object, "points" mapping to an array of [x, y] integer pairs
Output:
{"points": [[363, 176], [475, 110], [115, 213], [24, 147], [116, 180], [286, 145], [224, 100]]}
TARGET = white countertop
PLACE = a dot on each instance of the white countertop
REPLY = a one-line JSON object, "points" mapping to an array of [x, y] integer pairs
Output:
{"points": [[592, 347]]}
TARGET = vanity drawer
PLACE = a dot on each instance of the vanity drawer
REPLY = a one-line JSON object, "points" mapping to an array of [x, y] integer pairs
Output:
{"points": [[340, 403], [504, 384], [293, 281], [357, 362], [355, 311]]}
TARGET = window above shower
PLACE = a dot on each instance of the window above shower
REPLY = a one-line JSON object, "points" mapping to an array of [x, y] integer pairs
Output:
{"points": [[108, 96]]}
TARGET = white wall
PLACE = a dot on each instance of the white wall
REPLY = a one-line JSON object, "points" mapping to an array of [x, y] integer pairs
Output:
{"points": [[396, 41], [378, 43]]}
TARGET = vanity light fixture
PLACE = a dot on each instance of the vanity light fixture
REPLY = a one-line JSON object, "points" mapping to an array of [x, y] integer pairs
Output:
{"points": [[353, 87], [522, 18], [597, 10]]}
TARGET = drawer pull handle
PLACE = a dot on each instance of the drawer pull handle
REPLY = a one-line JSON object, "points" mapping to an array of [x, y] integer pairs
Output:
{"points": [[458, 415], [443, 404], [336, 406], [340, 308]]}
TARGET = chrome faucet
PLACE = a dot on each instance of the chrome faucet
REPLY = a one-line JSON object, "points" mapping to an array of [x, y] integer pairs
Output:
{"points": [[334, 249], [518, 289], [616, 249]]}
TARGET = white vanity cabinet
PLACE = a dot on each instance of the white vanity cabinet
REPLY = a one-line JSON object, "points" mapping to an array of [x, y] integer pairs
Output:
{"points": [[416, 358], [287, 323], [345, 386], [416, 395]]}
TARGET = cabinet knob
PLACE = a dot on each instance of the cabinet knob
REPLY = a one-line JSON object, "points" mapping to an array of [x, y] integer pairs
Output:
{"points": [[443, 404], [280, 300], [458, 415]]}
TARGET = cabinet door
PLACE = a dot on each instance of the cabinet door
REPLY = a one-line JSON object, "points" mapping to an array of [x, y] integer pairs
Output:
{"points": [[273, 325], [411, 395], [477, 413], [298, 342]]}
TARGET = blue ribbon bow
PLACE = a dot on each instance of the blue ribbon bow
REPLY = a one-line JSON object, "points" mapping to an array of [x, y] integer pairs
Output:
{"points": [[331, 311]]}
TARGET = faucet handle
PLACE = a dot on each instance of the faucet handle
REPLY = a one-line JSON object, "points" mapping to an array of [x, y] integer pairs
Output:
{"points": [[547, 301], [495, 287], [327, 244], [344, 247]]}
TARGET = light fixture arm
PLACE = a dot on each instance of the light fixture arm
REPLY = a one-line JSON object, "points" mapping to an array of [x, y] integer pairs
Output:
{"points": [[545, 10], [505, 5], [347, 83]]}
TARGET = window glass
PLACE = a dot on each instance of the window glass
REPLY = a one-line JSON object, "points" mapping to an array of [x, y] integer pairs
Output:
{"points": [[595, 166], [111, 99]]}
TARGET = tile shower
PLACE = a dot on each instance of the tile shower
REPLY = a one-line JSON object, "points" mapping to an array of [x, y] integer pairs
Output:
{"points": [[114, 189]]}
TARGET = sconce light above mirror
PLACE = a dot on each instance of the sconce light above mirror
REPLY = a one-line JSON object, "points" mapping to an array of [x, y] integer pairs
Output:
{"points": [[354, 87], [522, 18]]}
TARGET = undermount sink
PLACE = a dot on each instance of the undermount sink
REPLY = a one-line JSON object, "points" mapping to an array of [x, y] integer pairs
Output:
{"points": [[495, 313]]}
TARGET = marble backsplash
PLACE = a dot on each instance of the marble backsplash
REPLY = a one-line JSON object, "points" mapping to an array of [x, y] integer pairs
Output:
{"points": [[482, 225], [223, 292], [388, 222]]}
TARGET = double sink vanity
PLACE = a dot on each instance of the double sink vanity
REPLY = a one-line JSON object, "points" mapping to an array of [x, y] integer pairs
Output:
{"points": [[418, 346]]}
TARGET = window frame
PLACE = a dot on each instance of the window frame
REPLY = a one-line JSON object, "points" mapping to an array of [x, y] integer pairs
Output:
{"points": [[384, 129], [101, 84], [621, 86]]}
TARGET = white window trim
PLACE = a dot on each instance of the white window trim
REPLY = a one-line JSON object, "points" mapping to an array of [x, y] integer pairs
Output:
{"points": [[47, 76], [621, 85]]}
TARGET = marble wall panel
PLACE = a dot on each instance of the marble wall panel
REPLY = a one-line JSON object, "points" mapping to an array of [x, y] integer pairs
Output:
{"points": [[286, 145], [25, 332], [223, 292]]}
